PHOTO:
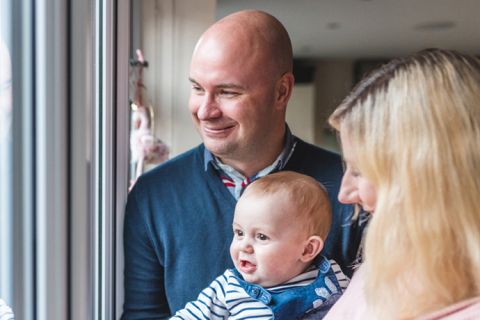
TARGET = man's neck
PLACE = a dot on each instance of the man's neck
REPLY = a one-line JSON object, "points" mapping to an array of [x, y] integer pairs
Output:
{"points": [[252, 164], [248, 169], [249, 164]]}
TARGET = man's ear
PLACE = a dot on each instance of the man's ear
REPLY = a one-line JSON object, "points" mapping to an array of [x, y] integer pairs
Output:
{"points": [[284, 89], [312, 248]]}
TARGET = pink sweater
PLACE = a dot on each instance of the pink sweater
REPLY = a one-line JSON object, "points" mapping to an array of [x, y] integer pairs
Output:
{"points": [[352, 305], [463, 310]]}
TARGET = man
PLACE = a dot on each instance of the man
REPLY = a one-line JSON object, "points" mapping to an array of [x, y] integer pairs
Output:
{"points": [[179, 215]]}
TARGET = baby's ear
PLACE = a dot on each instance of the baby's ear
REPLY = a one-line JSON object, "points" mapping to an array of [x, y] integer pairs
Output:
{"points": [[312, 248]]}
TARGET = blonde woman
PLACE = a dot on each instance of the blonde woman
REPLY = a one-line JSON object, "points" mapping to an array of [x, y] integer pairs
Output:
{"points": [[410, 135]]}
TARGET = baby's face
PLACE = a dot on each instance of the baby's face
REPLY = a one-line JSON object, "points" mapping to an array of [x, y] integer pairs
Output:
{"points": [[267, 243]]}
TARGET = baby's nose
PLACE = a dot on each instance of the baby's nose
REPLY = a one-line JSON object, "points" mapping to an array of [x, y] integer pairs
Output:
{"points": [[246, 246]]}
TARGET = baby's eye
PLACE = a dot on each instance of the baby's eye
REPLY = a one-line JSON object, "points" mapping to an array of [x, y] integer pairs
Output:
{"points": [[262, 237], [238, 232]]}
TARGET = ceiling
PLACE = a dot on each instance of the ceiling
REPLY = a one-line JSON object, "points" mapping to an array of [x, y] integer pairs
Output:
{"points": [[347, 29]]}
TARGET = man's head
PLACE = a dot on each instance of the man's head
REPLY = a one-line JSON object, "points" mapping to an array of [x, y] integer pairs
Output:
{"points": [[241, 75], [279, 227]]}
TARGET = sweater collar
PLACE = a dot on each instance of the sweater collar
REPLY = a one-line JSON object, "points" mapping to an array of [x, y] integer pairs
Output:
{"points": [[288, 148]]}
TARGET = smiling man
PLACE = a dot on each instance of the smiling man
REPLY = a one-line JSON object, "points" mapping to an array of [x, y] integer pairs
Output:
{"points": [[241, 83], [179, 215]]}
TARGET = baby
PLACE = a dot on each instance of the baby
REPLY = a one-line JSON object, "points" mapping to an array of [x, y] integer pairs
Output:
{"points": [[280, 224]]}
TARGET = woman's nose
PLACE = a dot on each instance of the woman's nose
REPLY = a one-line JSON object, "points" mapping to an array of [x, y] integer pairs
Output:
{"points": [[348, 193], [208, 108]]}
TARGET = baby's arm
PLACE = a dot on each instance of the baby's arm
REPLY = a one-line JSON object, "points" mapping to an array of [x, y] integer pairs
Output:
{"points": [[210, 303]]}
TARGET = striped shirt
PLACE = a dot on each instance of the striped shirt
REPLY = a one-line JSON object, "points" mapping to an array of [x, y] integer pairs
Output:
{"points": [[5, 312], [229, 297]]}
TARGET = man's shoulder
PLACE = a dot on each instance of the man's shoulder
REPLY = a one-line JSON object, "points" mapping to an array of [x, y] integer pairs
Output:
{"points": [[186, 166], [307, 148], [184, 163], [321, 164], [307, 156]]}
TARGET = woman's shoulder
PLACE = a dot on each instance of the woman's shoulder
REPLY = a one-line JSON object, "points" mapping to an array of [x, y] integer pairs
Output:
{"points": [[464, 310], [351, 304]]}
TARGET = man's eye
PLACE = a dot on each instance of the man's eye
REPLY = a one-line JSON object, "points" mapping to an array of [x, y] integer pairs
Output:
{"points": [[262, 237], [228, 93], [197, 89]]}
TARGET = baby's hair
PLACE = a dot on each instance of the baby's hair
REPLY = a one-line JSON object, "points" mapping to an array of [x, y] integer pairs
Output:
{"points": [[307, 196]]}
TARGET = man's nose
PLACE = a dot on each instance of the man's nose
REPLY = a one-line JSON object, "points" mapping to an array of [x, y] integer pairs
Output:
{"points": [[208, 108]]}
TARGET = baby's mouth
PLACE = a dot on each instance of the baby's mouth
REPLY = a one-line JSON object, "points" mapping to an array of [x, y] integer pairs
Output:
{"points": [[247, 266]]}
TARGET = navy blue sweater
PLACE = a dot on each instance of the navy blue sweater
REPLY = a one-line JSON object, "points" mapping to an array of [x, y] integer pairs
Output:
{"points": [[177, 229]]}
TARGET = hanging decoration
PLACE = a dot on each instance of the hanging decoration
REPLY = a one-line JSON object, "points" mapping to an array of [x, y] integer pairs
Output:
{"points": [[146, 150]]}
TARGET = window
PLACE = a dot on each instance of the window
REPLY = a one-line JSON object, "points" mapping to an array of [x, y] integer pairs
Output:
{"points": [[6, 147], [62, 181]]}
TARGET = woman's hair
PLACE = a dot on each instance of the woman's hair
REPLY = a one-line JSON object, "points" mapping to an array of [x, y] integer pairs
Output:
{"points": [[306, 195], [415, 127]]}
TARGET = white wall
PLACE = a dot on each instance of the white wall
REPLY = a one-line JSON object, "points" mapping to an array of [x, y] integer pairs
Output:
{"points": [[333, 81], [301, 111]]}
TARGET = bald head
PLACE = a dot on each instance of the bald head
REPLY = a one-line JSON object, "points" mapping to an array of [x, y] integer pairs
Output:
{"points": [[253, 34], [241, 75]]}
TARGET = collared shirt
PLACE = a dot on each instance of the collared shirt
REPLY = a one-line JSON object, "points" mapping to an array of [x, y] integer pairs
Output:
{"points": [[235, 181]]}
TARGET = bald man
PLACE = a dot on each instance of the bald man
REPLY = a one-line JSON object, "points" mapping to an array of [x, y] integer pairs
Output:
{"points": [[178, 222]]}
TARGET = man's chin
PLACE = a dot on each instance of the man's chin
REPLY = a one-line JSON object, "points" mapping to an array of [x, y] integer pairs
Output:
{"points": [[219, 148]]}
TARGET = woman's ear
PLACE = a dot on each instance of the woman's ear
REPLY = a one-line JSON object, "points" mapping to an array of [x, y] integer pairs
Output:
{"points": [[312, 248]]}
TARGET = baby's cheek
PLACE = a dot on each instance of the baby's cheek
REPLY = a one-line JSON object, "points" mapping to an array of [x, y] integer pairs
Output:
{"points": [[233, 251], [272, 265]]}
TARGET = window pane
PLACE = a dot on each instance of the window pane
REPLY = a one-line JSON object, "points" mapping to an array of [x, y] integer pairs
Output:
{"points": [[5, 155]]}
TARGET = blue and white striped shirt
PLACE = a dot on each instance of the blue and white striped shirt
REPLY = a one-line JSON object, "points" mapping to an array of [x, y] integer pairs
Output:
{"points": [[230, 297]]}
